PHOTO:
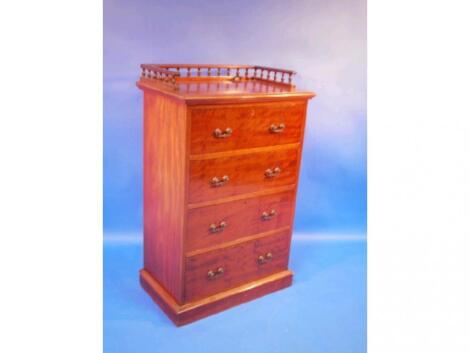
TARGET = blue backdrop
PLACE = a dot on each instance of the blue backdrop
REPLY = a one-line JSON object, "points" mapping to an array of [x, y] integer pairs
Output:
{"points": [[324, 41]]}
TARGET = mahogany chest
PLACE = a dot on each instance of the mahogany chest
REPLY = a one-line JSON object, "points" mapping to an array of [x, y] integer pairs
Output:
{"points": [[222, 151]]}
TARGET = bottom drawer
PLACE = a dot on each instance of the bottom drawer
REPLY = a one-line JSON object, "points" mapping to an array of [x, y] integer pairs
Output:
{"points": [[222, 269]]}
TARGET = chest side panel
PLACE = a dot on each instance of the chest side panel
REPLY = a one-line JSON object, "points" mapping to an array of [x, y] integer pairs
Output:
{"points": [[165, 163]]}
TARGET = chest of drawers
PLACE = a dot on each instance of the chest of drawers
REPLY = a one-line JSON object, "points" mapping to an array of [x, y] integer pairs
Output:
{"points": [[222, 151]]}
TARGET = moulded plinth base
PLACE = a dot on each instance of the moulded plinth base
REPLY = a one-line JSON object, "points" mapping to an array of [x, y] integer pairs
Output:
{"points": [[182, 314]]}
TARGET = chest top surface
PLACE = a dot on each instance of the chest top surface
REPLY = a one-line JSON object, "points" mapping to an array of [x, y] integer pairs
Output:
{"points": [[196, 83]]}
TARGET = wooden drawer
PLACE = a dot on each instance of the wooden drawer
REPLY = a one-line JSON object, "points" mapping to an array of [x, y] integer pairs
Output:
{"points": [[240, 264], [243, 174], [250, 126], [214, 225]]}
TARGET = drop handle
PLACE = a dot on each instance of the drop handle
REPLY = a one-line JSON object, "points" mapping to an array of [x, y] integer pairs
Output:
{"points": [[266, 216], [216, 181], [211, 275], [277, 129], [263, 259], [213, 228], [223, 134], [271, 173]]}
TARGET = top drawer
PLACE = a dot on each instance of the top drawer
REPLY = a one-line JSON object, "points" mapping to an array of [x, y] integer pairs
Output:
{"points": [[228, 127]]}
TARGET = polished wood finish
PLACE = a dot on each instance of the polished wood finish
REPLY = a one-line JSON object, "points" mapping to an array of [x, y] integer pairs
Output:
{"points": [[173, 72], [189, 312], [250, 126], [165, 148], [247, 173], [239, 264], [219, 84], [222, 148], [242, 218]]}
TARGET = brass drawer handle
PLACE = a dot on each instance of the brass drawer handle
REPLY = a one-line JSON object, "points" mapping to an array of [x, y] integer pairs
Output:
{"points": [[215, 274], [266, 216], [265, 259], [213, 228], [219, 182], [271, 173], [223, 134], [276, 129]]}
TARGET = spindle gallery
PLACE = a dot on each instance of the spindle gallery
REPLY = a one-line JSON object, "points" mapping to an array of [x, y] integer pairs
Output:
{"points": [[222, 152]]}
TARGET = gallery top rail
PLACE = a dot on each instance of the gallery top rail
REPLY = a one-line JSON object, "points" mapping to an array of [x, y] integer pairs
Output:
{"points": [[172, 73]]}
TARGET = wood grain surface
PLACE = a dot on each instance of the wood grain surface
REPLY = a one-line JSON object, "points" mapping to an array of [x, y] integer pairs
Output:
{"points": [[165, 164], [246, 174], [250, 125], [242, 218], [222, 152], [182, 314], [239, 264]]}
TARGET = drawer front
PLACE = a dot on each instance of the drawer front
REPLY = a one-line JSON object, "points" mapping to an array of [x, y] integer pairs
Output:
{"points": [[249, 126], [214, 225], [222, 269], [211, 179]]}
